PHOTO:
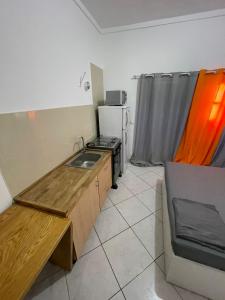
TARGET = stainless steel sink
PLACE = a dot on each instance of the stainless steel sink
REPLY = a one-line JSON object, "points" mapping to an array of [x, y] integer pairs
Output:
{"points": [[84, 160]]}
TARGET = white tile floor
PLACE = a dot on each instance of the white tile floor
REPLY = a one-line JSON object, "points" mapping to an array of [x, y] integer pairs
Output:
{"points": [[123, 258]]}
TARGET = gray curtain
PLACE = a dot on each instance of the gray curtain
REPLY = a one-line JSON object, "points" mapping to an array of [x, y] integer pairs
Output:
{"points": [[219, 156], [162, 108]]}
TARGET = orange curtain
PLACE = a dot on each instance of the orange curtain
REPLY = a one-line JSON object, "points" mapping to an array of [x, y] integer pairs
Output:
{"points": [[206, 120]]}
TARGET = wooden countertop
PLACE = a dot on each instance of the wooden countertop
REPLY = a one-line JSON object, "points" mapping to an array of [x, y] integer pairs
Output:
{"points": [[60, 189], [28, 238]]}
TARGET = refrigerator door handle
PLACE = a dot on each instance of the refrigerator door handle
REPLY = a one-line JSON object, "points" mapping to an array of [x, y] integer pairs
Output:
{"points": [[126, 118], [126, 138]]}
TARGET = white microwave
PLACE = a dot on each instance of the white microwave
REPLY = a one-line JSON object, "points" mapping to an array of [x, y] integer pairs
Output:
{"points": [[116, 98]]}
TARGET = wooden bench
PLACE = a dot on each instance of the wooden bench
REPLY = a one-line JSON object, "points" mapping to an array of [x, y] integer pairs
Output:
{"points": [[28, 239]]}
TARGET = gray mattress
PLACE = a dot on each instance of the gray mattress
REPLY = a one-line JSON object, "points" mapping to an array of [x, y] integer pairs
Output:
{"points": [[201, 184]]}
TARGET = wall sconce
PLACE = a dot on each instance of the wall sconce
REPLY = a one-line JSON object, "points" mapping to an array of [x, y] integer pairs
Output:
{"points": [[86, 83], [87, 86]]}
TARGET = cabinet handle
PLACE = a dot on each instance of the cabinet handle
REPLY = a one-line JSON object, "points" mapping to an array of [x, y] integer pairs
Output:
{"points": [[125, 137], [97, 183]]}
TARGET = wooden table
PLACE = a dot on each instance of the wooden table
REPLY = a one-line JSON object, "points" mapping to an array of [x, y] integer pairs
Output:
{"points": [[28, 238]]}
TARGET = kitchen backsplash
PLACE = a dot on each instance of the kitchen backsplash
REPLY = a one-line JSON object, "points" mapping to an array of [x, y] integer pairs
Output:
{"points": [[32, 143]]}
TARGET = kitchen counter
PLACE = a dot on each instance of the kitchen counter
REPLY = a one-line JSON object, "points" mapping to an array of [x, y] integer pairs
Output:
{"points": [[59, 190]]}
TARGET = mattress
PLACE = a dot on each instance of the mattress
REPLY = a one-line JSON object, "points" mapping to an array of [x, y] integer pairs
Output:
{"points": [[201, 184]]}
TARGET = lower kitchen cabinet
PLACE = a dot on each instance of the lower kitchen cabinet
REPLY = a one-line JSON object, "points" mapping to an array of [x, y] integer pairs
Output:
{"points": [[83, 216], [71, 192], [88, 207], [105, 181]]}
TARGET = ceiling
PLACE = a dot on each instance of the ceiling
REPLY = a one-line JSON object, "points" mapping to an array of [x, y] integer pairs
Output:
{"points": [[115, 13]]}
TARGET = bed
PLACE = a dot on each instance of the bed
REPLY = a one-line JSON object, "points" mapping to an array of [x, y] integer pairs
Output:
{"points": [[189, 264]]}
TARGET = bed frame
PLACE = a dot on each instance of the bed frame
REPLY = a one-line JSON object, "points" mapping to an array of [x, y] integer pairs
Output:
{"points": [[201, 279]]}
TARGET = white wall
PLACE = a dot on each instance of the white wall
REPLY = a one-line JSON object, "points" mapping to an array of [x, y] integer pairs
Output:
{"points": [[45, 47], [175, 47], [5, 197]]}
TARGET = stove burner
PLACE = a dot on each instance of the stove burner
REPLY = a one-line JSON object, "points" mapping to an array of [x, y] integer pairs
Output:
{"points": [[106, 142]]}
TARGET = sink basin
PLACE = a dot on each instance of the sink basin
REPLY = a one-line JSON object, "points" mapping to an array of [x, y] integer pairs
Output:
{"points": [[84, 160]]}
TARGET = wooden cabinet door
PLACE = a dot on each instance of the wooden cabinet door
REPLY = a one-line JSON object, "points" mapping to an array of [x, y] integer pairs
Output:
{"points": [[105, 181], [83, 216], [94, 199]]}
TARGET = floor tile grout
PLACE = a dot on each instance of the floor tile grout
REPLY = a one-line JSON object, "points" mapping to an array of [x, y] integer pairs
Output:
{"points": [[90, 250], [122, 200], [134, 195], [113, 204], [102, 243], [130, 189], [138, 275], [142, 244], [147, 206], [149, 187], [139, 192], [113, 236], [135, 233], [121, 288], [153, 260], [164, 261], [116, 294], [148, 171], [111, 268], [129, 226], [139, 176], [110, 264]]}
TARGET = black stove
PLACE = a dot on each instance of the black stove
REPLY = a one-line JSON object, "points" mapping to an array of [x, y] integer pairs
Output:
{"points": [[113, 144], [109, 143]]}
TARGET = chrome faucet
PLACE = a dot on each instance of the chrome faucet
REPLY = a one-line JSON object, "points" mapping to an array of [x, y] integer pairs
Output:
{"points": [[83, 145]]}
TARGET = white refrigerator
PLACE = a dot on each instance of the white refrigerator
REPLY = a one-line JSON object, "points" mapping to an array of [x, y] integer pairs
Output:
{"points": [[114, 121]]}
